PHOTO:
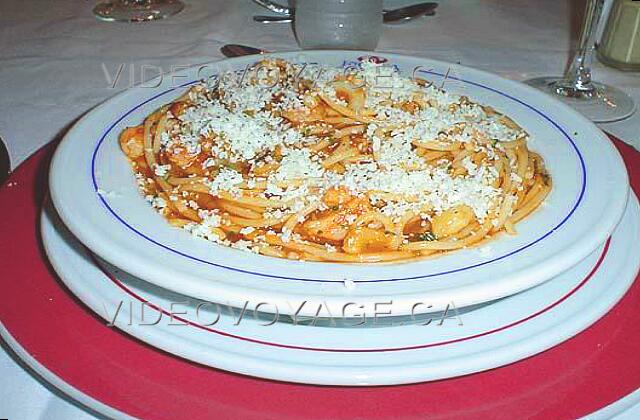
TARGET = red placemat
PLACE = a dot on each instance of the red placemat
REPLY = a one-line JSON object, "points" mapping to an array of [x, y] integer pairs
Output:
{"points": [[593, 369]]}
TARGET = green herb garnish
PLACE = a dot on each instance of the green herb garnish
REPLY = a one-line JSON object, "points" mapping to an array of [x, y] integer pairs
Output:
{"points": [[427, 236]]}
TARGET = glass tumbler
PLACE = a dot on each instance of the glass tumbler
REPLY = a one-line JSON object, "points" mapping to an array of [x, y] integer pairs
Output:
{"points": [[339, 24]]}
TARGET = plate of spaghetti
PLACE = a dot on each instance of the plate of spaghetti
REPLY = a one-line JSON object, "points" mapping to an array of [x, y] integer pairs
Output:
{"points": [[338, 175]]}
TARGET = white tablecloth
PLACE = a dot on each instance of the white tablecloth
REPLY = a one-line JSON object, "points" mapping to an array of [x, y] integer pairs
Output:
{"points": [[57, 62]]}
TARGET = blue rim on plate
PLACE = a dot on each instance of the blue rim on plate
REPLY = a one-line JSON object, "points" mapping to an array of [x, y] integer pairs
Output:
{"points": [[279, 277]]}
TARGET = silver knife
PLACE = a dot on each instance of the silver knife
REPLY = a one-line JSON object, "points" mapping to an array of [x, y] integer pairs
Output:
{"points": [[5, 165]]}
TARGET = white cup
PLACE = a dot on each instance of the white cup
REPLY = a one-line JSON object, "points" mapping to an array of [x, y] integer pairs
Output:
{"points": [[339, 24]]}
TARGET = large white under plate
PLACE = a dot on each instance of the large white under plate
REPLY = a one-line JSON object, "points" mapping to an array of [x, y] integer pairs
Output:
{"points": [[494, 335]]}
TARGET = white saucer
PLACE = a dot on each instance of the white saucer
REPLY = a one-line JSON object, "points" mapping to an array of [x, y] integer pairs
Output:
{"points": [[494, 335]]}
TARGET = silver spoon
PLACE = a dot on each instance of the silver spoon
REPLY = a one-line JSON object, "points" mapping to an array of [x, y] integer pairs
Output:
{"points": [[407, 13], [237, 50], [275, 7], [395, 16]]}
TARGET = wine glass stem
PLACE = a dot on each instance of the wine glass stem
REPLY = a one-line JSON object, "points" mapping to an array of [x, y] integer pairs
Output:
{"points": [[578, 75]]}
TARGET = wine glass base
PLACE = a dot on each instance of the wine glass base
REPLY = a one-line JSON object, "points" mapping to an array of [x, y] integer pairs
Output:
{"points": [[136, 11], [605, 104]]}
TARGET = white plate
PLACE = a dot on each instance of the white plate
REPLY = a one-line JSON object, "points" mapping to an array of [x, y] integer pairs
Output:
{"points": [[94, 191], [494, 335]]}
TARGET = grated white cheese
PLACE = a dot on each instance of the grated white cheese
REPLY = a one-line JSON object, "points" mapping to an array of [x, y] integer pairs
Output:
{"points": [[247, 230], [226, 180], [210, 219], [162, 170], [297, 164]]}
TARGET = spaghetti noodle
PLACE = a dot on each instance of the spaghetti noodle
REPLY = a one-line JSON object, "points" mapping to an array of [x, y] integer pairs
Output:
{"points": [[360, 167]]}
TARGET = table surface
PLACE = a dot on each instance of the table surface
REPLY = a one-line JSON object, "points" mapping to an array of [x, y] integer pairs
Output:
{"points": [[59, 62]]}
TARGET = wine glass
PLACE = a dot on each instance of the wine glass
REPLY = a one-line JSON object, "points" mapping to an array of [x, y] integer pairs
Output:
{"points": [[136, 10], [596, 101]]}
